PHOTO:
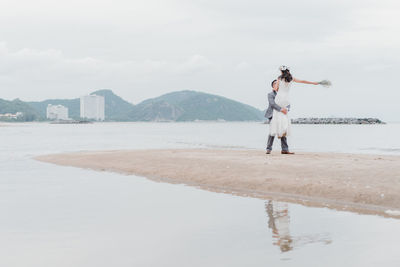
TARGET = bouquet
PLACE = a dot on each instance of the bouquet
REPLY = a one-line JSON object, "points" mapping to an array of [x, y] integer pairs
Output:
{"points": [[325, 83]]}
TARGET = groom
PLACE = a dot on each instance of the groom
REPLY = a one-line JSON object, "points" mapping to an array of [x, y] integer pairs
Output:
{"points": [[268, 114]]}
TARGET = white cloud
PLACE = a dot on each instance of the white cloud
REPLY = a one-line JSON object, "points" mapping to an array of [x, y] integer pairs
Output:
{"points": [[50, 72], [194, 64], [242, 66]]}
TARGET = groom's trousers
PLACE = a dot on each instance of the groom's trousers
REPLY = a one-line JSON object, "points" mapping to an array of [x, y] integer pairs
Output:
{"points": [[284, 144]]}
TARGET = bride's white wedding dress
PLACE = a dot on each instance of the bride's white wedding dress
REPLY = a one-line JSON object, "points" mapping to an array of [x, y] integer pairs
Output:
{"points": [[280, 124]]}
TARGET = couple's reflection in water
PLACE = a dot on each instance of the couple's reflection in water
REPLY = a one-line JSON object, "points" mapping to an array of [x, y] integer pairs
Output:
{"points": [[279, 223]]}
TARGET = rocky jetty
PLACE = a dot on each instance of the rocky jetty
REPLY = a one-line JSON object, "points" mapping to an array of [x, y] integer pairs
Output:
{"points": [[337, 121]]}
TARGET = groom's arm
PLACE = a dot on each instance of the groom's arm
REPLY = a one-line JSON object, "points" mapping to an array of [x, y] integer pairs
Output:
{"points": [[271, 101]]}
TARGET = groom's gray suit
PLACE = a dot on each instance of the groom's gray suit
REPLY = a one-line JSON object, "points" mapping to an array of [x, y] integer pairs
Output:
{"points": [[268, 114]]}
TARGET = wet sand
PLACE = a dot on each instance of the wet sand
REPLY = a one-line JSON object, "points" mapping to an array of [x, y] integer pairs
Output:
{"points": [[368, 183]]}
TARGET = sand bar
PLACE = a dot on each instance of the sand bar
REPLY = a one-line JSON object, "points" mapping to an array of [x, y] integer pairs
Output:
{"points": [[348, 181]]}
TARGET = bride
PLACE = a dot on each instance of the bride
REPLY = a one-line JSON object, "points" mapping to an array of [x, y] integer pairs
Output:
{"points": [[280, 123]]}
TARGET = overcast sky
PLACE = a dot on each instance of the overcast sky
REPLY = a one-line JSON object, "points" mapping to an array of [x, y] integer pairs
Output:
{"points": [[142, 49]]}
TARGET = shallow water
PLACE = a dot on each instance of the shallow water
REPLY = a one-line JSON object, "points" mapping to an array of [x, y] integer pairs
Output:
{"points": [[64, 216]]}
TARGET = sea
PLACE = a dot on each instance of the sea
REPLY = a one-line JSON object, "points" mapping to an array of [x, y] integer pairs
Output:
{"points": [[56, 216]]}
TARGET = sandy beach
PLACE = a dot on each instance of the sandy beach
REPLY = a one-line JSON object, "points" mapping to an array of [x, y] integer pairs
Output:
{"points": [[370, 183]]}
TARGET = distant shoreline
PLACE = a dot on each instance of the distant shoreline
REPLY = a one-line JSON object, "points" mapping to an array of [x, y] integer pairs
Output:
{"points": [[337, 121], [364, 183], [316, 121]]}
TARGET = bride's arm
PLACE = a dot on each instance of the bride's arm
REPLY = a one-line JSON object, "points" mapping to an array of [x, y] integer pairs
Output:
{"points": [[303, 81]]}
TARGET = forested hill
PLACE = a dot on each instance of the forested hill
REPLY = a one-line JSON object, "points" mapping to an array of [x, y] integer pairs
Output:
{"points": [[191, 106], [175, 106]]}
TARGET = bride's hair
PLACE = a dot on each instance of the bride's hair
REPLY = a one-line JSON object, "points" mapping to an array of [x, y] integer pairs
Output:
{"points": [[286, 75]]}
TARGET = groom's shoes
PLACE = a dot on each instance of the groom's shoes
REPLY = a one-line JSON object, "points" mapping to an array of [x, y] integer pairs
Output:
{"points": [[287, 152], [268, 152]]}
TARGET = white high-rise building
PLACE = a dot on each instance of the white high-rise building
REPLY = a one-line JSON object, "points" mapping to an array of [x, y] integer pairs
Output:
{"points": [[56, 112], [92, 107]]}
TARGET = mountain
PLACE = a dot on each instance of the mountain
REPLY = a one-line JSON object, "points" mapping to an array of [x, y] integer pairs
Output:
{"points": [[175, 106], [192, 105], [73, 106], [14, 106], [116, 109]]}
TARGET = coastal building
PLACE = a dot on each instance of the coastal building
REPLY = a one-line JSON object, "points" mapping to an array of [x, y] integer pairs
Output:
{"points": [[11, 115], [92, 107], [56, 112]]}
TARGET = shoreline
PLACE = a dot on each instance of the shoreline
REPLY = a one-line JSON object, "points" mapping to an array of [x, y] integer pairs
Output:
{"points": [[362, 183]]}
